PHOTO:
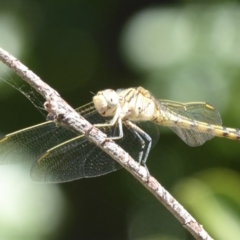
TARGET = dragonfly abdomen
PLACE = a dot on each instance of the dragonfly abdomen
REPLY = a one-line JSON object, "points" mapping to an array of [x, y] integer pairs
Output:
{"points": [[230, 133], [210, 129]]}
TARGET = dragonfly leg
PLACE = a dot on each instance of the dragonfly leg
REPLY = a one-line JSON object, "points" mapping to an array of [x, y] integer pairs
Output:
{"points": [[142, 142], [120, 134], [145, 140], [114, 120]]}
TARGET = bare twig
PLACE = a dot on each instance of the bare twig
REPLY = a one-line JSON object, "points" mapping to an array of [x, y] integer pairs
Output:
{"points": [[65, 114]]}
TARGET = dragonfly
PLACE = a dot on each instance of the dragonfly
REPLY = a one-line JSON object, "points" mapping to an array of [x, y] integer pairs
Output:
{"points": [[194, 122], [63, 155]]}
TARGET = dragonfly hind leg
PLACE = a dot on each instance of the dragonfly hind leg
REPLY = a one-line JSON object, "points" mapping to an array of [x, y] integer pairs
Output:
{"points": [[145, 141]]}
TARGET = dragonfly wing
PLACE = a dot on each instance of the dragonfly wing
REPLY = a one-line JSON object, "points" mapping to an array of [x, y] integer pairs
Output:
{"points": [[190, 137], [79, 158], [30, 143], [198, 111], [73, 160]]}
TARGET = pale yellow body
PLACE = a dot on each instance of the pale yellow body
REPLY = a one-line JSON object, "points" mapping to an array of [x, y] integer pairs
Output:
{"points": [[138, 104]]}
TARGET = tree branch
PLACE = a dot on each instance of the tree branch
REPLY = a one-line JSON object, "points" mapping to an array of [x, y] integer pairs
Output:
{"points": [[65, 114]]}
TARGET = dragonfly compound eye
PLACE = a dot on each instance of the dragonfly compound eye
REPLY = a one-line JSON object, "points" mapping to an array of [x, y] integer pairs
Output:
{"points": [[111, 98]]}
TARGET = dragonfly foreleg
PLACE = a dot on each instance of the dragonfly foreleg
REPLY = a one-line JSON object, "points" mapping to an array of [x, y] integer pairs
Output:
{"points": [[115, 120], [120, 131]]}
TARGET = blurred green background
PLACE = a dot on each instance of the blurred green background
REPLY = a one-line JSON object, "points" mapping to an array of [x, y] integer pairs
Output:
{"points": [[179, 50]]}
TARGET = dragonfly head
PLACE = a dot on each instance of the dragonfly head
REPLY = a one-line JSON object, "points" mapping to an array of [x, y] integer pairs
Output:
{"points": [[106, 102]]}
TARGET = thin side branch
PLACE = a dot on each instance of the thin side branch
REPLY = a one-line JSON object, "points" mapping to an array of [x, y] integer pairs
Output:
{"points": [[65, 114]]}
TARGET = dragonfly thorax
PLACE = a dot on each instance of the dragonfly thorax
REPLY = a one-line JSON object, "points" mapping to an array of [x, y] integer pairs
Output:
{"points": [[137, 104]]}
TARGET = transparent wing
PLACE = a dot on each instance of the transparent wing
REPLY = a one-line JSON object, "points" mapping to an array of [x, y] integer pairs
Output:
{"points": [[30, 143], [198, 111], [79, 158]]}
